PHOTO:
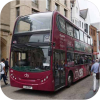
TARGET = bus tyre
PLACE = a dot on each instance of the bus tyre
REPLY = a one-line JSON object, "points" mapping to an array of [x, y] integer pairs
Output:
{"points": [[69, 80]]}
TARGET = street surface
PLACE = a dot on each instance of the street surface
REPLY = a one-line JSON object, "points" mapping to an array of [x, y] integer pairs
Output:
{"points": [[79, 90]]}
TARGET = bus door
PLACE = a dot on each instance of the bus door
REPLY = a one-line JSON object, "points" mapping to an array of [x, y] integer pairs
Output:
{"points": [[87, 65], [59, 70], [78, 66]]}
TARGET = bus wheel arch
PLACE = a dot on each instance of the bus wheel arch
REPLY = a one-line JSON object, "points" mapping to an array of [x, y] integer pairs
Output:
{"points": [[70, 78]]}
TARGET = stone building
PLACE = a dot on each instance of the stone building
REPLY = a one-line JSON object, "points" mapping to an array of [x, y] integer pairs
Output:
{"points": [[97, 25], [5, 35]]}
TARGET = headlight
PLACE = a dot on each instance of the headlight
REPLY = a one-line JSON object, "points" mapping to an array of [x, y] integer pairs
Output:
{"points": [[46, 77], [41, 80], [11, 74]]}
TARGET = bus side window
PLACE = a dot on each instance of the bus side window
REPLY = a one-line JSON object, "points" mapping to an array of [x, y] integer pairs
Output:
{"points": [[81, 59], [86, 59], [89, 59], [77, 59], [69, 29], [61, 24], [70, 59]]}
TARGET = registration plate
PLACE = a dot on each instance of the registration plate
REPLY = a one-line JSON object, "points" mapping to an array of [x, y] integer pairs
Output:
{"points": [[27, 87]]}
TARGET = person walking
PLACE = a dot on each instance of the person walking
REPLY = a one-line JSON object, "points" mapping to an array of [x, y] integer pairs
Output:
{"points": [[94, 69], [2, 71], [6, 66]]}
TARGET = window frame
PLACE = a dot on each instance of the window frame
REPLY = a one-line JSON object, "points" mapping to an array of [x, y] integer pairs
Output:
{"points": [[57, 6], [84, 38], [89, 41], [17, 11], [48, 5], [65, 12], [80, 35]]}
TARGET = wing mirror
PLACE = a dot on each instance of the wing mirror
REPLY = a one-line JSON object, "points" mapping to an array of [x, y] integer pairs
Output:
{"points": [[50, 51]]}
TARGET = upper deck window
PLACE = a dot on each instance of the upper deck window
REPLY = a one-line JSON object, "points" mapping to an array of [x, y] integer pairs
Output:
{"points": [[34, 22], [76, 33], [69, 29], [61, 24]]}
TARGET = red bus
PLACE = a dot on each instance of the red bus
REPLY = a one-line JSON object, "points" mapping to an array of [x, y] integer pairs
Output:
{"points": [[48, 52]]}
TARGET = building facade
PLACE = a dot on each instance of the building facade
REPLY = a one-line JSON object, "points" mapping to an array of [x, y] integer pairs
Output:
{"points": [[93, 34], [5, 35], [81, 17], [97, 25], [98, 44]]}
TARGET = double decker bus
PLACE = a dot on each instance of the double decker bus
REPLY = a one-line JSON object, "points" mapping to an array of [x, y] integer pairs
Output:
{"points": [[48, 52]]}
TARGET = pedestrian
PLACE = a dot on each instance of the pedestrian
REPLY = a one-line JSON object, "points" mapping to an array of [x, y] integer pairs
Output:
{"points": [[6, 66], [94, 69], [2, 71]]}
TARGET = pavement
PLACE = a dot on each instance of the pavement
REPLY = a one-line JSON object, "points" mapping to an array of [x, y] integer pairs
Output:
{"points": [[2, 82], [79, 90], [91, 93]]}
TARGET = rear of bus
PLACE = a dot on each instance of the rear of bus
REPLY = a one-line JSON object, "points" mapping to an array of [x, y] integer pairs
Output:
{"points": [[30, 56]]}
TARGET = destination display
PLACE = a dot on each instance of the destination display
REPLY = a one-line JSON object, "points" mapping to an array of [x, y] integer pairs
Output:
{"points": [[32, 38]]}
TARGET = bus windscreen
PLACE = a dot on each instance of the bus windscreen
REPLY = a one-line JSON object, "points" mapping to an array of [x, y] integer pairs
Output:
{"points": [[34, 22], [30, 59]]}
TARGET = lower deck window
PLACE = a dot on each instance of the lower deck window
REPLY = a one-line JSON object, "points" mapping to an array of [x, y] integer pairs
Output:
{"points": [[70, 59]]}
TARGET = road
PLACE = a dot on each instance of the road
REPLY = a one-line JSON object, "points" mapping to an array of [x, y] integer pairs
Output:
{"points": [[78, 90]]}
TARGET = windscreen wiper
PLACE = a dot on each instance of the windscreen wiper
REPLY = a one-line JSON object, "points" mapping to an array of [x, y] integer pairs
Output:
{"points": [[19, 48], [15, 46], [39, 44], [29, 45]]}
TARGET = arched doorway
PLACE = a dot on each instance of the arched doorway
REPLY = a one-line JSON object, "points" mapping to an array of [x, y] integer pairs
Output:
{"points": [[3, 48]]}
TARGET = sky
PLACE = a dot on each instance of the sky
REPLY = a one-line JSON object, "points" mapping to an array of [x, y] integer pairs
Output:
{"points": [[93, 10]]}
